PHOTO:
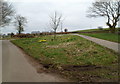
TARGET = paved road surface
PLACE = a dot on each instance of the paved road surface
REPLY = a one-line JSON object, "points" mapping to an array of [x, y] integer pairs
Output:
{"points": [[108, 44], [17, 69]]}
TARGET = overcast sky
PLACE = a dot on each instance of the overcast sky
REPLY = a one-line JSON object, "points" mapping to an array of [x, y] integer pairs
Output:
{"points": [[37, 13]]}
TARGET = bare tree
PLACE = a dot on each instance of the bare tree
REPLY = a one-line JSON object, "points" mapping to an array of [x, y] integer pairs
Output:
{"points": [[61, 26], [20, 22], [6, 13], [109, 9], [56, 19]]}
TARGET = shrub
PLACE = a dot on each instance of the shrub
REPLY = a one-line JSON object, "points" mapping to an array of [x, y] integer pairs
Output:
{"points": [[100, 28], [24, 36]]}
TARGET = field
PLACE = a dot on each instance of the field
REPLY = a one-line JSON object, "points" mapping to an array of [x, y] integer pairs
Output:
{"points": [[73, 57], [105, 36]]}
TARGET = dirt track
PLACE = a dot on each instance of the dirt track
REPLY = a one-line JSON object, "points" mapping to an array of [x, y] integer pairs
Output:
{"points": [[111, 45]]}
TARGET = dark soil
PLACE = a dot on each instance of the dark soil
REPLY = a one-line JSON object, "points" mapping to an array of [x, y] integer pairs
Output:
{"points": [[86, 73]]}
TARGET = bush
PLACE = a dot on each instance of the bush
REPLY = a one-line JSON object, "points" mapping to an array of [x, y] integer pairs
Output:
{"points": [[100, 28], [24, 36]]}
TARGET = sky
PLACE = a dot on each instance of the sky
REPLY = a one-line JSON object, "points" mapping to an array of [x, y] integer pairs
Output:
{"points": [[37, 13]]}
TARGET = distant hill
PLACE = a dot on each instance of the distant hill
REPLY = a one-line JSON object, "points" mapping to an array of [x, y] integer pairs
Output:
{"points": [[91, 30]]}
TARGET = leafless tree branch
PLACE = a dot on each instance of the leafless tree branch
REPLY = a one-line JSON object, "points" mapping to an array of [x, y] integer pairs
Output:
{"points": [[109, 9], [6, 13], [20, 22], [56, 19]]}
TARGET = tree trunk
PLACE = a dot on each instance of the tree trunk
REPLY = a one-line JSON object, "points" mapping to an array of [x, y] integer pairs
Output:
{"points": [[55, 34], [112, 27], [19, 32], [112, 30]]}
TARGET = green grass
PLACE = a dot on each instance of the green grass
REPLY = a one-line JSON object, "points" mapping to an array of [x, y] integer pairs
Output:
{"points": [[105, 36], [69, 50]]}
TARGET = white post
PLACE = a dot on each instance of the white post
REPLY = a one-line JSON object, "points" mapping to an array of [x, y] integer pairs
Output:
{"points": [[0, 42], [0, 61]]}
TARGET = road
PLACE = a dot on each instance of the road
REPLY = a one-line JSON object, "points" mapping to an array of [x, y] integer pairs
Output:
{"points": [[111, 45], [16, 67]]}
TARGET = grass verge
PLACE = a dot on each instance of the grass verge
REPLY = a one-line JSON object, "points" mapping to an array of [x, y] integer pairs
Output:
{"points": [[73, 57], [105, 36]]}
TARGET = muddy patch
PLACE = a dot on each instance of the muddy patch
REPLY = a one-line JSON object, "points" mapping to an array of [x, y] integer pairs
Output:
{"points": [[80, 68], [86, 73], [73, 67]]}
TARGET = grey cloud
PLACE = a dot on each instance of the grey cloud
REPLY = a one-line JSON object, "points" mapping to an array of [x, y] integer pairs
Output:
{"points": [[74, 13]]}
